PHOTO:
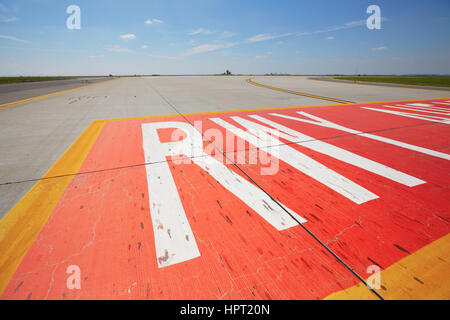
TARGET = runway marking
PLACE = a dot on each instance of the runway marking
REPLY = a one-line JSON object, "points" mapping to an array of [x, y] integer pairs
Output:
{"points": [[340, 154], [101, 221], [325, 123], [19, 102], [165, 205], [412, 115], [299, 93], [303, 163], [424, 110], [423, 105], [428, 107]]}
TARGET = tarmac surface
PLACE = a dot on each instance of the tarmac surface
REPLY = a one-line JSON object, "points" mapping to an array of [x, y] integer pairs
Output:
{"points": [[44, 144], [382, 84], [351, 92], [11, 92]]}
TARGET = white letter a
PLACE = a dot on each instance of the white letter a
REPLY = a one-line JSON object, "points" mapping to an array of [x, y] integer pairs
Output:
{"points": [[374, 21], [74, 20]]}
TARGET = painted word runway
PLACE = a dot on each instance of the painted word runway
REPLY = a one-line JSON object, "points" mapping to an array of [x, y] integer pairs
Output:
{"points": [[216, 207]]}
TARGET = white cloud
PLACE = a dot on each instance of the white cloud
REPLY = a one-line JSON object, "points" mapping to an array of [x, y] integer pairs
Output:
{"points": [[263, 37], [159, 56], [5, 19], [330, 38], [207, 48], [152, 21], [144, 46], [116, 48], [128, 36], [96, 57], [201, 31], [259, 57], [198, 31], [380, 48], [12, 38], [347, 25], [269, 36], [228, 34]]}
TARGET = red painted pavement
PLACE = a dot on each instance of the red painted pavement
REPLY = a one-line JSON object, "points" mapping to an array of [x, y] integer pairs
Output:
{"points": [[102, 222]]}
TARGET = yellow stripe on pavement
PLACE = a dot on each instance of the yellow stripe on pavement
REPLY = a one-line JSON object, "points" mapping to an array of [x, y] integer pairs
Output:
{"points": [[298, 93], [423, 275], [22, 224], [15, 103]]}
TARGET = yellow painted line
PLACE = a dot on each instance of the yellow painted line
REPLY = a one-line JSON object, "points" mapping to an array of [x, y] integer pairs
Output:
{"points": [[15, 103], [268, 109], [298, 93], [379, 84], [423, 275], [22, 224]]}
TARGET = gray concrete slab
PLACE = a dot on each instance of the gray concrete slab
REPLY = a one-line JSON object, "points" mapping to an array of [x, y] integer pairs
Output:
{"points": [[204, 94], [11, 193], [34, 135], [349, 91], [382, 84]]}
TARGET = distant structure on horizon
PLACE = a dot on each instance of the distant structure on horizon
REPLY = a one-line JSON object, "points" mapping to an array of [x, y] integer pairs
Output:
{"points": [[277, 74]]}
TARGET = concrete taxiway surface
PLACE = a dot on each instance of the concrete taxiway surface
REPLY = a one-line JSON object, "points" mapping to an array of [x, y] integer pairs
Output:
{"points": [[11, 92], [350, 92], [59, 136], [381, 84]]}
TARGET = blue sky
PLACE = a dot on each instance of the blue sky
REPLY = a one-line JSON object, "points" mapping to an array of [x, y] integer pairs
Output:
{"points": [[210, 36]]}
